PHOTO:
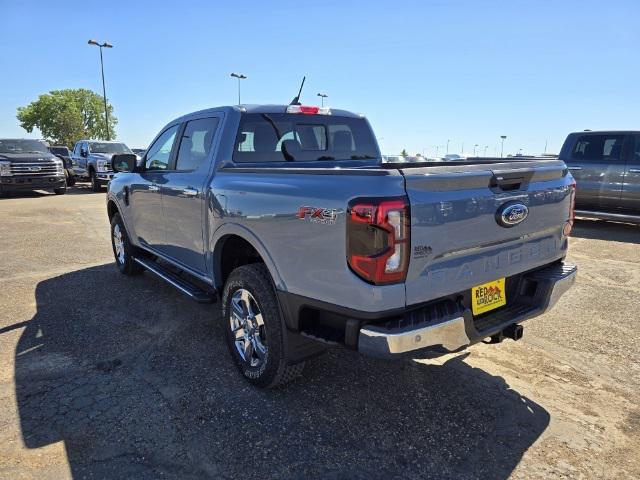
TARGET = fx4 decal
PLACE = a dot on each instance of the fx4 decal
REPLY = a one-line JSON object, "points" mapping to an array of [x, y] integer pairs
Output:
{"points": [[326, 216]]}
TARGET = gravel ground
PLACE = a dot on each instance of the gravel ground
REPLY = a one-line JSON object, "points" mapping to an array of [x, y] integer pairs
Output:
{"points": [[105, 376]]}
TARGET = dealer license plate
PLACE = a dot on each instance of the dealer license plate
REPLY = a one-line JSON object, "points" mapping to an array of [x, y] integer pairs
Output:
{"points": [[488, 296]]}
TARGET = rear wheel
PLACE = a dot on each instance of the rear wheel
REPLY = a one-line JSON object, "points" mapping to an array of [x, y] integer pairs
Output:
{"points": [[122, 248], [253, 327]]}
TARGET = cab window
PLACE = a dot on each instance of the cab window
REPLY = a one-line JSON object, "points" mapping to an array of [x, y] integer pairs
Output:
{"points": [[195, 144], [280, 137], [159, 154], [604, 148]]}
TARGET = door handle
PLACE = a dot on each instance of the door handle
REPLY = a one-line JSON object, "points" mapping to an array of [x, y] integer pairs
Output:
{"points": [[153, 188], [575, 168], [190, 192], [634, 170]]}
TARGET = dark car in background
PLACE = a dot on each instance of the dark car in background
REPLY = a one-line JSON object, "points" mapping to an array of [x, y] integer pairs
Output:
{"points": [[27, 164], [64, 154], [606, 167]]}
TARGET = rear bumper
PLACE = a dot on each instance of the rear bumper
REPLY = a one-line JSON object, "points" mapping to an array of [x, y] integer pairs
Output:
{"points": [[442, 326], [457, 329], [31, 183]]}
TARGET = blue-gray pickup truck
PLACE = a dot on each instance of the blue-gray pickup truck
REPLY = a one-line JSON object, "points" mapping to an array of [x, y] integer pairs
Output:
{"points": [[287, 215]]}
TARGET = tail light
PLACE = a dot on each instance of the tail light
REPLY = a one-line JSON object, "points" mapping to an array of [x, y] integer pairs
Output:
{"points": [[378, 243], [572, 210]]}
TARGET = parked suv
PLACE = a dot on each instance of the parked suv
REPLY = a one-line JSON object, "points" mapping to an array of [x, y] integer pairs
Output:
{"points": [[606, 166], [29, 165], [288, 216], [92, 160], [64, 154]]}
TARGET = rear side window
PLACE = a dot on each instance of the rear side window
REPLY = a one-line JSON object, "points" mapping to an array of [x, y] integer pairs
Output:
{"points": [[598, 147], [196, 143], [281, 137]]}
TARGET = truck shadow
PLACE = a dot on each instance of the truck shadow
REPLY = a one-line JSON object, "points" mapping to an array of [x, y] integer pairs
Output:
{"points": [[601, 230], [137, 382]]}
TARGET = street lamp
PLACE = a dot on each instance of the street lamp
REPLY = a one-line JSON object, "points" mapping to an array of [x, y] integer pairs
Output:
{"points": [[104, 90], [474, 149], [447, 146], [322, 96], [239, 76], [502, 138]]}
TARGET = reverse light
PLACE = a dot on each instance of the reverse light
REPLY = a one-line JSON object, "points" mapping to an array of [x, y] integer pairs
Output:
{"points": [[378, 239], [308, 110], [5, 169]]}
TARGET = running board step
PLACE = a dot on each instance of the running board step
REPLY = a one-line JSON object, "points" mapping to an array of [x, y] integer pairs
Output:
{"points": [[186, 287]]}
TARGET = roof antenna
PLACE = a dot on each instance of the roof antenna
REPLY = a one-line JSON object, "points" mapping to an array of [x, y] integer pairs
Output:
{"points": [[296, 100]]}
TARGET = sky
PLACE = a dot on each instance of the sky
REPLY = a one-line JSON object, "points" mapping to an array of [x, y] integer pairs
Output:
{"points": [[422, 72]]}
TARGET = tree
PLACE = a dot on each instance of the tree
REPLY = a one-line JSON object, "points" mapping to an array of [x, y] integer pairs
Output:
{"points": [[404, 153], [65, 116]]}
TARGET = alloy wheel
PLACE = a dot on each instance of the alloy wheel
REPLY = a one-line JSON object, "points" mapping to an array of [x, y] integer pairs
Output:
{"points": [[247, 326]]}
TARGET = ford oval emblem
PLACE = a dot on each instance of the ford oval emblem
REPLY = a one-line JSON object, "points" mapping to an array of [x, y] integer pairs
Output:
{"points": [[511, 214]]}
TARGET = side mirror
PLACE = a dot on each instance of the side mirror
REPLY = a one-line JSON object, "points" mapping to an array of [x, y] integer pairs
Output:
{"points": [[83, 153], [124, 162]]}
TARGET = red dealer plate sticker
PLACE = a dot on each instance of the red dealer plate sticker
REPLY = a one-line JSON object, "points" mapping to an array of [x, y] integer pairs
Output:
{"points": [[488, 296]]}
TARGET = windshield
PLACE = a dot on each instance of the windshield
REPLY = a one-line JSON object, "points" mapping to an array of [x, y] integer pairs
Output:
{"points": [[22, 146], [60, 151], [278, 137], [100, 147]]}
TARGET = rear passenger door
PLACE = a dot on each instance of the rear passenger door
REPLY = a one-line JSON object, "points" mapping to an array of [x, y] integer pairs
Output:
{"points": [[597, 164], [184, 194], [630, 198]]}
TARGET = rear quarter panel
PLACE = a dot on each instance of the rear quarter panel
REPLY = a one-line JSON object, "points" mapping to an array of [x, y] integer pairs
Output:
{"points": [[308, 258]]}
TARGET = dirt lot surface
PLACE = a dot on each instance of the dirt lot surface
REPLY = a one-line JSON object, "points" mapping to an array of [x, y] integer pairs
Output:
{"points": [[104, 376]]}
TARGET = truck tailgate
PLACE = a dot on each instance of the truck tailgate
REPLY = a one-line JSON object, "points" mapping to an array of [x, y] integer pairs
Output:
{"points": [[458, 239]]}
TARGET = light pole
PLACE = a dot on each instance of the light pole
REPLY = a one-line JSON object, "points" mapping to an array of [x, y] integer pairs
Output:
{"points": [[485, 150], [474, 149], [447, 146], [239, 76], [104, 90], [502, 138], [322, 96]]}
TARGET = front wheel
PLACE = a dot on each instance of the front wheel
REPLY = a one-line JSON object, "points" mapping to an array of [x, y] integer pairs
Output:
{"points": [[253, 327], [61, 190], [122, 248], [95, 183]]}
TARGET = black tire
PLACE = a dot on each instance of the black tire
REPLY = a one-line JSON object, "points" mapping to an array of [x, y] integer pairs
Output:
{"points": [[274, 369], [61, 190], [95, 183], [71, 181], [125, 262]]}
